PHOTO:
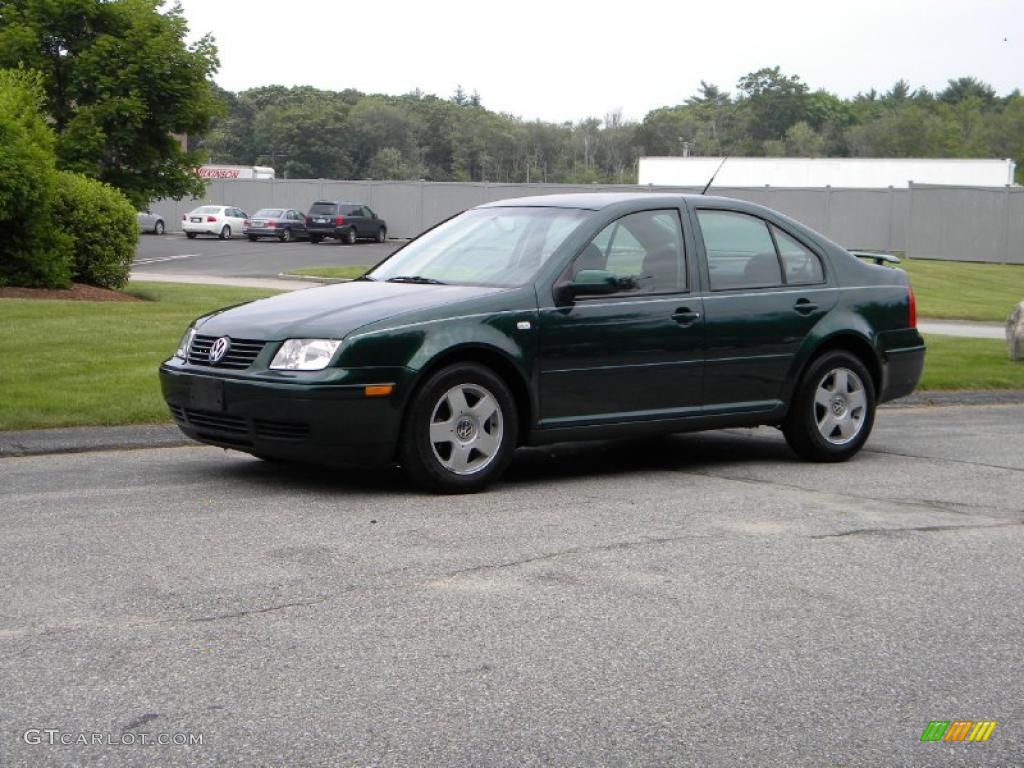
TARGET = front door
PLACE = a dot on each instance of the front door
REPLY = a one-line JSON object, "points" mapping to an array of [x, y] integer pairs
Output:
{"points": [[635, 354]]}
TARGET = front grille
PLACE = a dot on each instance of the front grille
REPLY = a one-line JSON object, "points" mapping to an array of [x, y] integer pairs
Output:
{"points": [[219, 421], [238, 425], [240, 355], [281, 430]]}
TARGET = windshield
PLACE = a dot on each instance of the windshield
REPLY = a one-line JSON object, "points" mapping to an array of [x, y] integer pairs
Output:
{"points": [[269, 213], [485, 246]]}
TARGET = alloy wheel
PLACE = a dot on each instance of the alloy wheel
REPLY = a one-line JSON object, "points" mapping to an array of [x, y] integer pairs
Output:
{"points": [[466, 429], [840, 405]]}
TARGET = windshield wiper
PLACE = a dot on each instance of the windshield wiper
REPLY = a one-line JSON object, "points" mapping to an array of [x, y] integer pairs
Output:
{"points": [[415, 279]]}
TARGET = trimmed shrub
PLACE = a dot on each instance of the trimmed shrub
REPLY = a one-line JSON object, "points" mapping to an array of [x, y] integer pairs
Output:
{"points": [[102, 225], [33, 253]]}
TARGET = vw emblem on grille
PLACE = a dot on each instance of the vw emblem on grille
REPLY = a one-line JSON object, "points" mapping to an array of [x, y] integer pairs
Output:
{"points": [[219, 348]]}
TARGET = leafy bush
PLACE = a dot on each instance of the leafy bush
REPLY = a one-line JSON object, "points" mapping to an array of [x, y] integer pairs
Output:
{"points": [[33, 252], [102, 224]]}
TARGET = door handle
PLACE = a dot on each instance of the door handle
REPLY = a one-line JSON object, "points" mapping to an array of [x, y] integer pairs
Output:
{"points": [[684, 316], [805, 306]]}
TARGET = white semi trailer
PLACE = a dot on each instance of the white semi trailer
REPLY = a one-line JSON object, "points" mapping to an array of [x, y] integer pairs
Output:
{"points": [[855, 172]]}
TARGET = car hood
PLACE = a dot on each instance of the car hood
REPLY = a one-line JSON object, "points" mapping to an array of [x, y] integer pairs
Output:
{"points": [[332, 311]]}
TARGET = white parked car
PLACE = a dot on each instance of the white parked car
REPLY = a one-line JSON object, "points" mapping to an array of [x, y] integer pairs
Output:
{"points": [[220, 220]]}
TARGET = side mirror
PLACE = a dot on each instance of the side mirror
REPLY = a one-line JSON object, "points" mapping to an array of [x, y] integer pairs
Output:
{"points": [[593, 282]]}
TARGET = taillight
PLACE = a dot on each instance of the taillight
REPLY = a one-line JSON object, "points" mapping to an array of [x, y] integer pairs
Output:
{"points": [[184, 217], [339, 220], [211, 218], [308, 220], [911, 308], [246, 223], [271, 224]]}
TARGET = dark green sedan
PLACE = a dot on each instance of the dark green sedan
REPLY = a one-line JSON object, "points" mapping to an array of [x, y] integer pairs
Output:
{"points": [[564, 317]]}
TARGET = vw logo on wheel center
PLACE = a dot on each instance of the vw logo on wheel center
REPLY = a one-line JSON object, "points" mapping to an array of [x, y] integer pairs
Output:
{"points": [[219, 349]]}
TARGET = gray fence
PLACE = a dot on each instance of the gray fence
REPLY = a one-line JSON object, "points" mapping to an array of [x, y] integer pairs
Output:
{"points": [[955, 223]]}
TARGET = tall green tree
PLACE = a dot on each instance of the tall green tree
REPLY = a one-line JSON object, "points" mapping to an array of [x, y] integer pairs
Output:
{"points": [[121, 82]]}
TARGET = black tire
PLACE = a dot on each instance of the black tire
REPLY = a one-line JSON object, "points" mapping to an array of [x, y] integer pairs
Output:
{"points": [[158, 228], [349, 238], [286, 236], [252, 238], [424, 460], [225, 233], [190, 235], [811, 415], [314, 239], [382, 235]]}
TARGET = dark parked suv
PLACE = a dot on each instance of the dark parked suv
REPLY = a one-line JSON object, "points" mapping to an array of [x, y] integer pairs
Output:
{"points": [[346, 222]]}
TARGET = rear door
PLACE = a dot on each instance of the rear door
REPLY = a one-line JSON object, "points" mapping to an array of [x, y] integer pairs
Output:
{"points": [[766, 291], [636, 354]]}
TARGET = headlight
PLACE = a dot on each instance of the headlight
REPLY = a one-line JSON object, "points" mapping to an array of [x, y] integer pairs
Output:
{"points": [[185, 343], [305, 354]]}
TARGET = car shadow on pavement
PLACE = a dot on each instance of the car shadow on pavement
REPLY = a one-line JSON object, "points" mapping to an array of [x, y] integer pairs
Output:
{"points": [[698, 450], [550, 463]]}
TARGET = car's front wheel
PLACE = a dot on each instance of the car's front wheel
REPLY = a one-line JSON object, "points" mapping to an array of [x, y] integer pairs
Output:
{"points": [[833, 409], [382, 235], [460, 431]]}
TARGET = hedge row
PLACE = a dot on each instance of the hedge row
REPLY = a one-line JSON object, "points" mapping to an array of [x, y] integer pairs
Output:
{"points": [[55, 226]]}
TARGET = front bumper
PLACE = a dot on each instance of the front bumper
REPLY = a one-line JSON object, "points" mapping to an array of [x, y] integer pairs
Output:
{"points": [[326, 423]]}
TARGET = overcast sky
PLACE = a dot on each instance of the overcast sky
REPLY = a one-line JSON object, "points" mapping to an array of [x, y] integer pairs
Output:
{"points": [[558, 60]]}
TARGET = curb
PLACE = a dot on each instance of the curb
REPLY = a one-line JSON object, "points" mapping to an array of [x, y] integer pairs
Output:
{"points": [[937, 398], [312, 278], [40, 442]]}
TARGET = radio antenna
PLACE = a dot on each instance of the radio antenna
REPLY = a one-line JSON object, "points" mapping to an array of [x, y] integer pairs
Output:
{"points": [[712, 179]]}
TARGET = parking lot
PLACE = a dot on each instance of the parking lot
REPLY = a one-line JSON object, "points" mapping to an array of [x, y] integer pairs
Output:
{"points": [[174, 253], [695, 600]]}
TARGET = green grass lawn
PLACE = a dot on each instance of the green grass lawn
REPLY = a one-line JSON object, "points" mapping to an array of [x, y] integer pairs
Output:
{"points": [[963, 291], [955, 363], [344, 273], [65, 363]]}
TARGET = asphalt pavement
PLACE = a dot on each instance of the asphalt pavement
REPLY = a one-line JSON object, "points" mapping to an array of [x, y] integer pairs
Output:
{"points": [[694, 600], [174, 253]]}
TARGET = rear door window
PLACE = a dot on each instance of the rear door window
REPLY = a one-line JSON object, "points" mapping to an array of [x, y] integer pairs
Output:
{"points": [[740, 251]]}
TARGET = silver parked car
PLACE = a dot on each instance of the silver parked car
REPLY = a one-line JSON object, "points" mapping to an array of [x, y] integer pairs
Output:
{"points": [[150, 222]]}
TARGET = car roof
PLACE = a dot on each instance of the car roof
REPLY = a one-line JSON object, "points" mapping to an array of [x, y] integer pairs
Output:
{"points": [[335, 202], [595, 201]]}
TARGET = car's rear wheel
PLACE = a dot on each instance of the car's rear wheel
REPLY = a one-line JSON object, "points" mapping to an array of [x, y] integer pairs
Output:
{"points": [[314, 239], [225, 233], [833, 409], [252, 238], [460, 431], [286, 236], [382, 235], [190, 235], [349, 238], [158, 228]]}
